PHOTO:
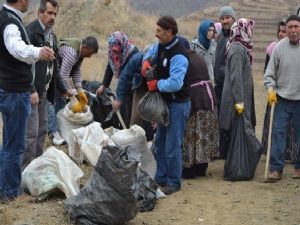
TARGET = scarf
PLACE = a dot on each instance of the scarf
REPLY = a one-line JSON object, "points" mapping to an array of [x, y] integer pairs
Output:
{"points": [[202, 33], [241, 32], [119, 49]]}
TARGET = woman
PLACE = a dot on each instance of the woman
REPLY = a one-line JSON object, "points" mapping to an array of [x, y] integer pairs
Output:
{"points": [[205, 46], [281, 33], [238, 94], [201, 138], [120, 50]]}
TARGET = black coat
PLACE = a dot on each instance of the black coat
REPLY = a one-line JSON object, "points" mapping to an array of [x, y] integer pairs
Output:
{"points": [[37, 38]]}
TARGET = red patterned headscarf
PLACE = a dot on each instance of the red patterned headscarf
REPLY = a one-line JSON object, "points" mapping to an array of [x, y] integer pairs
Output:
{"points": [[242, 32], [119, 49]]}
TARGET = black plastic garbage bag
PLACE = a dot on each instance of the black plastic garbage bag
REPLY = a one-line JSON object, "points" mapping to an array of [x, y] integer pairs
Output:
{"points": [[113, 194], [153, 108], [244, 151]]}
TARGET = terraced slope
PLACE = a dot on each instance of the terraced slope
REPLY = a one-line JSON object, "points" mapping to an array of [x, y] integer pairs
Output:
{"points": [[265, 13]]}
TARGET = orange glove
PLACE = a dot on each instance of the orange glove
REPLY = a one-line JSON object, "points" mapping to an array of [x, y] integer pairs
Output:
{"points": [[146, 66], [152, 85], [82, 98], [77, 108], [272, 98]]}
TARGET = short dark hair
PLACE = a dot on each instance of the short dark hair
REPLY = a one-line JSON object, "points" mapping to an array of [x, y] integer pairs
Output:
{"points": [[292, 17], [91, 42], [168, 22], [43, 5], [11, 1]]}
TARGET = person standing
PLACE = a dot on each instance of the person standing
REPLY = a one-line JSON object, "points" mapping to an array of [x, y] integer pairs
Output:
{"points": [[121, 51], [17, 58], [205, 46], [283, 84], [171, 81], [238, 91], [227, 18], [71, 54], [46, 80]]}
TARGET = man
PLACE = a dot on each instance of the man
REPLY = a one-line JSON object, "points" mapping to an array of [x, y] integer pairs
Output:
{"points": [[16, 78], [71, 53], [283, 84], [46, 79], [171, 81], [227, 18]]}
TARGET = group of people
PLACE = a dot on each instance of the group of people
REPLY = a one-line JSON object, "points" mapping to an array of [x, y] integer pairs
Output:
{"points": [[204, 84]]}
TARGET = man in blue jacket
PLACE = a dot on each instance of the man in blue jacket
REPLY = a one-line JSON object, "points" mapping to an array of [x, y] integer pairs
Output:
{"points": [[171, 81]]}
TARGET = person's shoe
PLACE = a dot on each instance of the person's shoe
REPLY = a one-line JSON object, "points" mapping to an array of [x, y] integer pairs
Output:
{"points": [[296, 174], [170, 189], [274, 176], [200, 169], [57, 139], [161, 185], [188, 173]]}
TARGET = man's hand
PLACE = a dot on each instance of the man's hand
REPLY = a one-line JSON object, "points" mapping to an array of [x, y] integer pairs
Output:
{"points": [[34, 98], [152, 85], [47, 54], [116, 105], [146, 66], [68, 93], [239, 107], [272, 98], [100, 90]]}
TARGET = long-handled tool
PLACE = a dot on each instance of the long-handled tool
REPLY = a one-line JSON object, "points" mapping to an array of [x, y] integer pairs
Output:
{"points": [[119, 115], [269, 141]]}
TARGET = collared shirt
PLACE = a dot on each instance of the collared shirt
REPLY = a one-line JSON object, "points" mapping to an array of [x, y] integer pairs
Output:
{"points": [[15, 44]]}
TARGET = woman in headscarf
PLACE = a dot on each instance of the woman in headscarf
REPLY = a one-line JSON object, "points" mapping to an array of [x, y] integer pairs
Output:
{"points": [[238, 93], [120, 50], [205, 46], [201, 139], [281, 33]]}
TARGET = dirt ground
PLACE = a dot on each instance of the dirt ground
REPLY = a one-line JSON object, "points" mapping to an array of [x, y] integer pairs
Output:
{"points": [[209, 200]]}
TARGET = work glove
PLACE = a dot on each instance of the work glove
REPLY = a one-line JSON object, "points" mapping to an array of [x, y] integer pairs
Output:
{"points": [[145, 66], [77, 108], [272, 98], [152, 85], [82, 98], [239, 107]]}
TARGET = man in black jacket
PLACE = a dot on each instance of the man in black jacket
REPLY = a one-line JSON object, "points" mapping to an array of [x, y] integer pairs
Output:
{"points": [[17, 58], [46, 80]]}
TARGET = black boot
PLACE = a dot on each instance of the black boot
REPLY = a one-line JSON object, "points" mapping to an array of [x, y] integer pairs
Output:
{"points": [[188, 173], [200, 169]]}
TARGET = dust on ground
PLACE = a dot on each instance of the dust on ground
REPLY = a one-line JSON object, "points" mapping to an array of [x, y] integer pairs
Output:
{"points": [[208, 200]]}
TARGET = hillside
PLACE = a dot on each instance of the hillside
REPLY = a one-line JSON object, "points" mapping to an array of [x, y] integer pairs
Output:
{"points": [[177, 8]]}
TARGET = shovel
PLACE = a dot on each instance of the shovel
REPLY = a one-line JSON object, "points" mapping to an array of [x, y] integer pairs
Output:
{"points": [[269, 140]]}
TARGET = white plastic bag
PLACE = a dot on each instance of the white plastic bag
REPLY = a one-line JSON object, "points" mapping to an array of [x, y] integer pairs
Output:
{"points": [[93, 141], [83, 118], [135, 136], [51, 171]]}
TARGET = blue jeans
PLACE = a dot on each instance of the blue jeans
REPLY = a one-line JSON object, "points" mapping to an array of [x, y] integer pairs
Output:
{"points": [[52, 111], [285, 111], [15, 109], [168, 143]]}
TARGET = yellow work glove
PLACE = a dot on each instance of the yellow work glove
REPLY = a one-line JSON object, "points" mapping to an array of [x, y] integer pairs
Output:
{"points": [[77, 108], [82, 98], [272, 98], [239, 107]]}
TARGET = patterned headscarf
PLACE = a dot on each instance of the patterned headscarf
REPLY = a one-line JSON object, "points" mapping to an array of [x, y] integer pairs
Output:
{"points": [[202, 33], [241, 32], [119, 49]]}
